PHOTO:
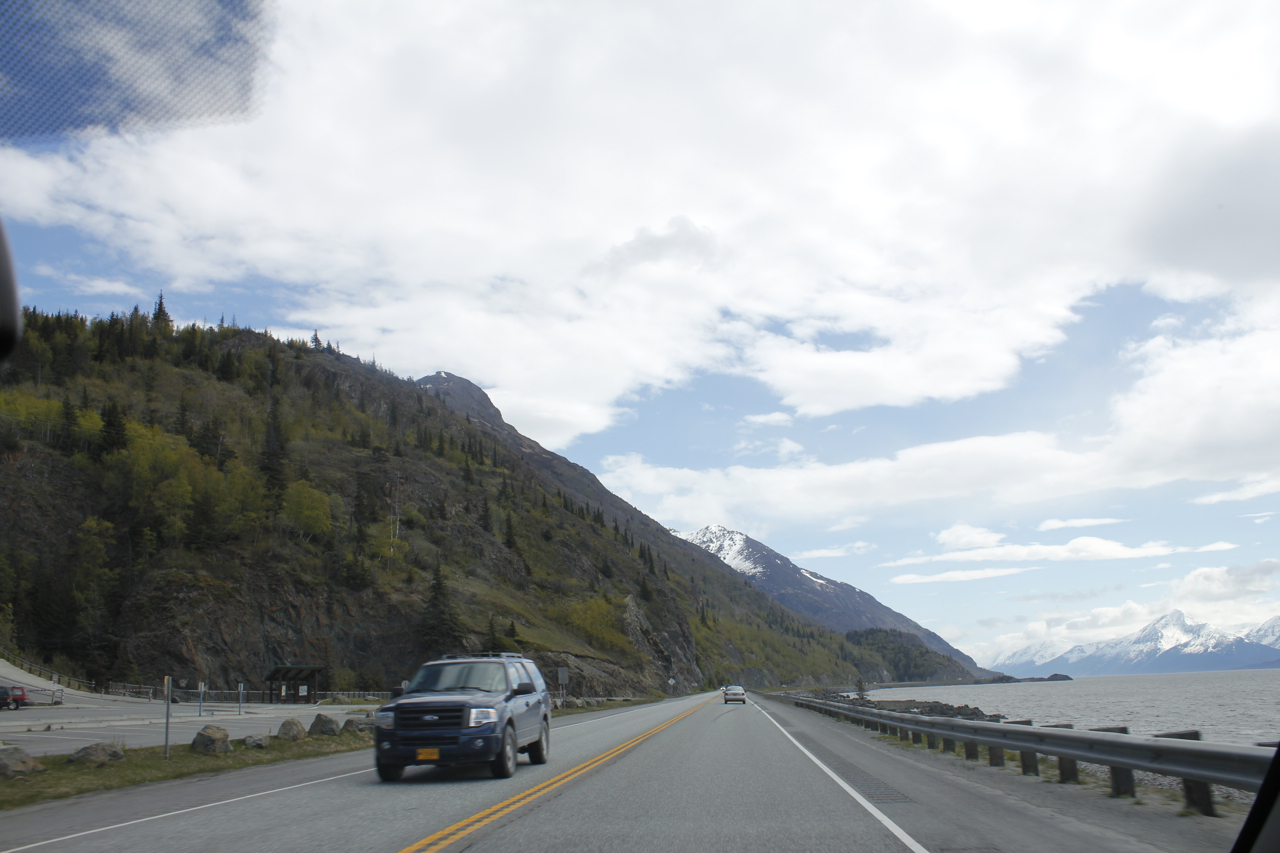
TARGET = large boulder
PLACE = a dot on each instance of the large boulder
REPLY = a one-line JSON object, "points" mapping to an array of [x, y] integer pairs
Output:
{"points": [[211, 740], [14, 761], [357, 726], [324, 725], [96, 753], [257, 741], [291, 729]]}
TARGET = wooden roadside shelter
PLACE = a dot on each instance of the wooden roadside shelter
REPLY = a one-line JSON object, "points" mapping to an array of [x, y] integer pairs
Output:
{"points": [[292, 684]]}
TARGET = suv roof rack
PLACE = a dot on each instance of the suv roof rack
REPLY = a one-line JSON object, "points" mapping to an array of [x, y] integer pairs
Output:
{"points": [[515, 655]]}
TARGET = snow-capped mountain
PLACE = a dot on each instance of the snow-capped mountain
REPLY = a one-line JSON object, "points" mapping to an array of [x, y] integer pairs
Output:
{"points": [[1268, 633], [1032, 655], [1172, 643], [836, 604]]}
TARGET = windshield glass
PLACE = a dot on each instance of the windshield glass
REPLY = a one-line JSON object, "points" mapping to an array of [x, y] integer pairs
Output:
{"points": [[441, 677]]}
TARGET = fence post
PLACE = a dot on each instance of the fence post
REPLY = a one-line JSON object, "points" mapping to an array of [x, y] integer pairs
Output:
{"points": [[931, 741], [240, 700], [200, 707], [995, 756], [1068, 770], [915, 737], [1121, 777], [1030, 764], [1198, 795], [903, 733], [971, 750], [168, 702], [948, 745]]}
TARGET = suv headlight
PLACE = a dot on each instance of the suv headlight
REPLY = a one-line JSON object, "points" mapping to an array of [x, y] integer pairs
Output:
{"points": [[385, 719], [480, 716]]}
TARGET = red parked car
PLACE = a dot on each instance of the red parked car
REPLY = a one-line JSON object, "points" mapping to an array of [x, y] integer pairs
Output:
{"points": [[19, 695]]}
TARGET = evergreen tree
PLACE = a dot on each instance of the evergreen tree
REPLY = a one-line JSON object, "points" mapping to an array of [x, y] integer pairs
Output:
{"points": [[444, 629], [511, 630], [491, 641], [486, 519], [510, 538], [274, 451], [645, 591], [315, 341], [113, 435], [161, 322]]}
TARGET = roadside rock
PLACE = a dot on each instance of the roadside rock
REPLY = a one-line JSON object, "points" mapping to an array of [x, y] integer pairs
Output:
{"points": [[14, 761], [96, 753], [324, 725], [291, 729], [211, 740], [257, 741], [357, 726]]}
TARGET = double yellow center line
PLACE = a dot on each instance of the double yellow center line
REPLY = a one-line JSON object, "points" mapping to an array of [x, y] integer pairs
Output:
{"points": [[463, 828]]}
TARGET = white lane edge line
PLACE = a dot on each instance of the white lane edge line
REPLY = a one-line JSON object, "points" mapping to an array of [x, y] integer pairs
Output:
{"points": [[911, 843], [183, 811]]}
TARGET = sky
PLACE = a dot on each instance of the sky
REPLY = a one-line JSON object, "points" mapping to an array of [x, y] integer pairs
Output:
{"points": [[972, 306]]}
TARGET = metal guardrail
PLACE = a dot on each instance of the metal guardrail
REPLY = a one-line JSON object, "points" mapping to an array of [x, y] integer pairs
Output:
{"points": [[46, 673], [54, 695], [1241, 767]]}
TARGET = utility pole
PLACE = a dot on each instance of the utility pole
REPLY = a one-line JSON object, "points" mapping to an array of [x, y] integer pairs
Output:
{"points": [[168, 702]]}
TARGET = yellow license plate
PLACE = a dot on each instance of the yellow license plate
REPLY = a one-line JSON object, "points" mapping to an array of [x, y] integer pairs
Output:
{"points": [[428, 754]]}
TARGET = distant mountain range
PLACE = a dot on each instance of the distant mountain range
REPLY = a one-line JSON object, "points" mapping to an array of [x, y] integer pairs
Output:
{"points": [[1172, 643], [833, 603]]}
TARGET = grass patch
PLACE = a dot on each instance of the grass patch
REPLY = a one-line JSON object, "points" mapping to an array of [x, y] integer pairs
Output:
{"points": [[626, 703], [148, 764]]}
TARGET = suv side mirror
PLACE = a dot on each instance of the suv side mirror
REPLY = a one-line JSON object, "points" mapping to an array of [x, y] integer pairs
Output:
{"points": [[397, 691], [524, 688]]}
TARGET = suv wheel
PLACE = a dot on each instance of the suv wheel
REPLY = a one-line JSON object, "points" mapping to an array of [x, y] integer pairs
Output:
{"points": [[13, 704], [540, 750], [504, 763], [389, 772]]}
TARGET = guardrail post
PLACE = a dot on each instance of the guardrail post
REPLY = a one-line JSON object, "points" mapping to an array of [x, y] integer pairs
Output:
{"points": [[971, 750], [1030, 763], [931, 741], [915, 738], [1121, 777], [1068, 770], [903, 733], [1198, 795], [995, 756], [884, 728], [948, 745]]}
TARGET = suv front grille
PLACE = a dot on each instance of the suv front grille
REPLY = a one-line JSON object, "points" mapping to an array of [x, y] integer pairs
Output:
{"points": [[428, 718], [419, 741]]}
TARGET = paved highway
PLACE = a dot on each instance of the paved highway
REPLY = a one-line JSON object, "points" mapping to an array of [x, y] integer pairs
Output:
{"points": [[689, 773]]}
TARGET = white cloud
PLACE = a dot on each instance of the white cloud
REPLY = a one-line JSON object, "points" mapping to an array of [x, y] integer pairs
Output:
{"points": [[858, 547], [1056, 524], [771, 419], [1223, 583], [961, 575], [965, 536], [454, 186], [1080, 548]]}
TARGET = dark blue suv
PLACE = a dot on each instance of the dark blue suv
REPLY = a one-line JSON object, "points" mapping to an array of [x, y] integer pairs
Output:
{"points": [[466, 709]]}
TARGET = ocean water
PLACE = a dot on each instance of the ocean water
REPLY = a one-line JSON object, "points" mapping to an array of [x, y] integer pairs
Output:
{"points": [[1240, 707]]}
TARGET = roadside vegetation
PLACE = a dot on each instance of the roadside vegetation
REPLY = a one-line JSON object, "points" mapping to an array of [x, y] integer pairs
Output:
{"points": [[148, 764]]}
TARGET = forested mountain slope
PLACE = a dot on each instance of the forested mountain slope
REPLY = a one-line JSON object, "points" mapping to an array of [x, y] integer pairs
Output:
{"points": [[209, 502]]}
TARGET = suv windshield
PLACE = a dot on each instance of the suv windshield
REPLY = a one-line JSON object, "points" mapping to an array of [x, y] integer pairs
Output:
{"points": [[439, 677]]}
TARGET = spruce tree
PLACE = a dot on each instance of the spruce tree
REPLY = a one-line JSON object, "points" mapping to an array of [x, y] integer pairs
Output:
{"points": [[274, 451], [113, 435], [161, 322], [486, 519], [510, 538], [444, 629]]}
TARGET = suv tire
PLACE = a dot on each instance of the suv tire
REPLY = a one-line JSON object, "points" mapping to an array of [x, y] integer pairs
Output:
{"points": [[389, 772], [540, 749], [503, 765]]}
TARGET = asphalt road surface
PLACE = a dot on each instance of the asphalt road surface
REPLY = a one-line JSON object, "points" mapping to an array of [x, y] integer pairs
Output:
{"points": [[684, 774]]}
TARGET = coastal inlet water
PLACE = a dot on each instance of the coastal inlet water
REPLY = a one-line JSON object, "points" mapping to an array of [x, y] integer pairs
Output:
{"points": [[1227, 707]]}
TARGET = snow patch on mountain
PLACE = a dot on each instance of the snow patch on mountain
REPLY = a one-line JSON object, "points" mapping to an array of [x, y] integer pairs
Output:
{"points": [[1035, 654], [728, 545]]}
